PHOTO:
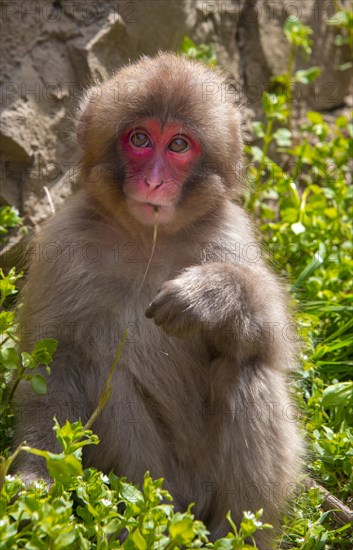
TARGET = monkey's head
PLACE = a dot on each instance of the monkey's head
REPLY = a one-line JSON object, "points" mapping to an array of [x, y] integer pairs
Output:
{"points": [[161, 140]]}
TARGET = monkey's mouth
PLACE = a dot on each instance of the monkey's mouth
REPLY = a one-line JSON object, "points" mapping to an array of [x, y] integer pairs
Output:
{"points": [[149, 212], [155, 207]]}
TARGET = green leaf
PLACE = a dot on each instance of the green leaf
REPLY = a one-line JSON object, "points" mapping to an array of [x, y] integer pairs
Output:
{"points": [[345, 66], [306, 76], [298, 228], [256, 153], [249, 524], [342, 121], [9, 358], [72, 437], [7, 319], [44, 350], [275, 106], [202, 52], [9, 217], [7, 284], [39, 384], [258, 129], [137, 538], [341, 40], [298, 34], [182, 531], [28, 361], [315, 262], [342, 18], [290, 215], [315, 117], [331, 213], [283, 137], [64, 539], [340, 394], [63, 467], [283, 79]]}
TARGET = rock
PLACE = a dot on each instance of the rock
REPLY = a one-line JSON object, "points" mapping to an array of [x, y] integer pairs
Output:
{"points": [[105, 52], [15, 131], [16, 150], [52, 195]]}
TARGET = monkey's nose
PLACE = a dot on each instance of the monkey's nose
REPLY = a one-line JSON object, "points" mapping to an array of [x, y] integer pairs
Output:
{"points": [[153, 183]]}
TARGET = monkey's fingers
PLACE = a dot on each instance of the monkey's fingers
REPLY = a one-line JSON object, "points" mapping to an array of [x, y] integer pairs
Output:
{"points": [[173, 320], [150, 311], [165, 298], [163, 309]]}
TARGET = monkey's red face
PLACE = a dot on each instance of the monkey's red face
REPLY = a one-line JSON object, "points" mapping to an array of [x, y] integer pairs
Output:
{"points": [[158, 159]]}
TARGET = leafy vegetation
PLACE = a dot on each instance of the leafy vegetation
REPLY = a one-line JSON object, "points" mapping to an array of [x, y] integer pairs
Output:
{"points": [[9, 217], [87, 509], [343, 21], [204, 52], [300, 191]]}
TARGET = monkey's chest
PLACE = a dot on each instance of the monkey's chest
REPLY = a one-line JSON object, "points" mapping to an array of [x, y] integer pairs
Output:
{"points": [[168, 375], [160, 385]]}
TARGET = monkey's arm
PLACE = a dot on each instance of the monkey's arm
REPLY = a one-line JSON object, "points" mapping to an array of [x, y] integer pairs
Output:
{"points": [[239, 309], [49, 308]]}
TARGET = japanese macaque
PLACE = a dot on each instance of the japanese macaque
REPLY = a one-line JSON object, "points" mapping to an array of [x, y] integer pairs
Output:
{"points": [[200, 391]]}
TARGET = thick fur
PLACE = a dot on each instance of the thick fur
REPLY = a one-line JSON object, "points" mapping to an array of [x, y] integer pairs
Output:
{"points": [[200, 393]]}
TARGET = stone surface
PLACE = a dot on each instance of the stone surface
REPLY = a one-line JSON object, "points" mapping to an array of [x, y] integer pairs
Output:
{"points": [[96, 58]]}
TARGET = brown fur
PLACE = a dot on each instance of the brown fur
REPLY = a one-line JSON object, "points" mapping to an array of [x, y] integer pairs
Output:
{"points": [[202, 402]]}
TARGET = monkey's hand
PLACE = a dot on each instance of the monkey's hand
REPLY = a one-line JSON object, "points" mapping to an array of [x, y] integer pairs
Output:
{"points": [[229, 304], [208, 297], [187, 304]]}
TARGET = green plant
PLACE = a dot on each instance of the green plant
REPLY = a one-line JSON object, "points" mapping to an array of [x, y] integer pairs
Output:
{"points": [[9, 217], [298, 36], [15, 366], [202, 52], [301, 194], [343, 20], [87, 509]]}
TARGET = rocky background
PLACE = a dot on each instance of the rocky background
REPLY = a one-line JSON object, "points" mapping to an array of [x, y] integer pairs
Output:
{"points": [[51, 50]]}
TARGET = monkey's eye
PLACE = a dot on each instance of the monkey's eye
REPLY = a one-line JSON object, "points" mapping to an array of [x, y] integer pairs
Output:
{"points": [[140, 140], [178, 145]]}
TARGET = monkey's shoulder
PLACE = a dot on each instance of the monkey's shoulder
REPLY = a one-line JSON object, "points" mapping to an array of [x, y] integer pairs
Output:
{"points": [[77, 226], [234, 214], [232, 234], [76, 217]]}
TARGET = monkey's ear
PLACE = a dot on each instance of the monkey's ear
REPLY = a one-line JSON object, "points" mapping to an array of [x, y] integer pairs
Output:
{"points": [[84, 113]]}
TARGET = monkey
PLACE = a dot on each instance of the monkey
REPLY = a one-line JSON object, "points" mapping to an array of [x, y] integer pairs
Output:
{"points": [[200, 394]]}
